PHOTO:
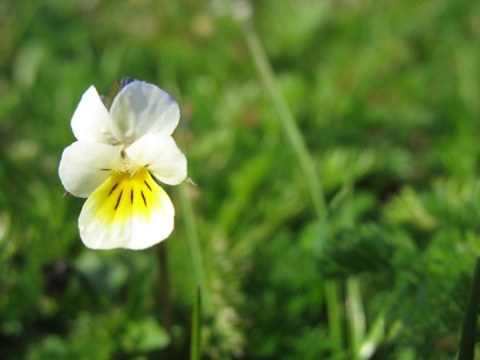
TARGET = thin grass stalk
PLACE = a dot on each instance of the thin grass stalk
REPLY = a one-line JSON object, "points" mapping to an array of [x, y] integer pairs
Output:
{"points": [[375, 335], [334, 315], [195, 345], [356, 316], [291, 130], [297, 143], [377, 331]]}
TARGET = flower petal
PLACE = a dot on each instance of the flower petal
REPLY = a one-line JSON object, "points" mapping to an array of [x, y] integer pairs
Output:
{"points": [[127, 212], [86, 165], [161, 156], [91, 120], [141, 108]]}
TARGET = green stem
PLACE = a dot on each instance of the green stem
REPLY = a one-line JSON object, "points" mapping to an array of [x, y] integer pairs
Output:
{"points": [[305, 161], [194, 247], [285, 117], [377, 332], [356, 316], [195, 346], [164, 287], [334, 316], [469, 330]]}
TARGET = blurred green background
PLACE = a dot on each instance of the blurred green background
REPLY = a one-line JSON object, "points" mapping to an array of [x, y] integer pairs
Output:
{"points": [[386, 97]]}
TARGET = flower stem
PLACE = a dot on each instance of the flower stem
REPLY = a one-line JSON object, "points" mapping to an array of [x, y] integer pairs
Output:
{"points": [[165, 303], [194, 247]]}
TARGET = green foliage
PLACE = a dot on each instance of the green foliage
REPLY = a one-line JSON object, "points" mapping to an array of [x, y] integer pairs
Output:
{"points": [[385, 95]]}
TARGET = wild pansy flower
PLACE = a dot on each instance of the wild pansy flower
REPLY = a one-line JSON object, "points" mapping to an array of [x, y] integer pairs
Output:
{"points": [[120, 152]]}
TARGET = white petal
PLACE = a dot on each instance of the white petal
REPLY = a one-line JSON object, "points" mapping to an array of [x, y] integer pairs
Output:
{"points": [[125, 212], [86, 165], [161, 156], [91, 120], [141, 108]]}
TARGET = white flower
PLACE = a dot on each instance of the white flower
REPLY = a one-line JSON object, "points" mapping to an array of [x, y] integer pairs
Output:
{"points": [[113, 161]]}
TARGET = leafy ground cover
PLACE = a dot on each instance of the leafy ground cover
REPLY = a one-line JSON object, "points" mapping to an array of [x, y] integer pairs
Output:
{"points": [[376, 264]]}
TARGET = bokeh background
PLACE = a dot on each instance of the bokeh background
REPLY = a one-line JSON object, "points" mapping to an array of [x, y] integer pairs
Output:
{"points": [[386, 97]]}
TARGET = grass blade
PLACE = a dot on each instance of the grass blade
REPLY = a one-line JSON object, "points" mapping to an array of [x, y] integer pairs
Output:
{"points": [[195, 346]]}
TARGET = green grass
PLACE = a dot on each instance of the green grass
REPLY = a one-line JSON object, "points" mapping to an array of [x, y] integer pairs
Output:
{"points": [[335, 148]]}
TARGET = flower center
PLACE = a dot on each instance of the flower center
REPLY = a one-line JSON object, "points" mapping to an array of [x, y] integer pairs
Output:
{"points": [[129, 166], [124, 195]]}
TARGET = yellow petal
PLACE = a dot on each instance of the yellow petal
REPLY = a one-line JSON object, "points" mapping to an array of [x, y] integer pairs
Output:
{"points": [[126, 211]]}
